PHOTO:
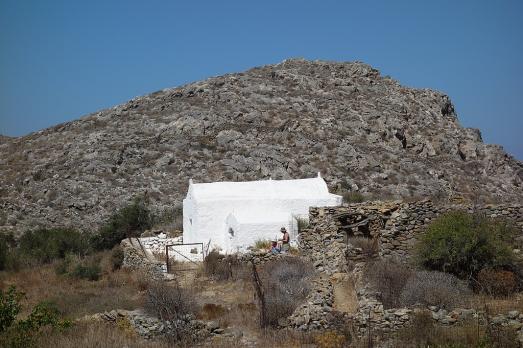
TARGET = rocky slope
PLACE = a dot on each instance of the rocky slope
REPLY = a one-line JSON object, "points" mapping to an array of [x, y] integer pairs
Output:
{"points": [[363, 131]]}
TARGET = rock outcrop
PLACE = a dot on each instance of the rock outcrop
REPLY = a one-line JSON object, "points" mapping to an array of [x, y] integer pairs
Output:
{"points": [[363, 131]]}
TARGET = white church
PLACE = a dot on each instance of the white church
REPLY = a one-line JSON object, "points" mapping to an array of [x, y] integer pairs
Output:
{"points": [[232, 216]]}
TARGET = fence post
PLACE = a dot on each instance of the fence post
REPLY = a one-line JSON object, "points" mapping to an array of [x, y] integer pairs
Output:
{"points": [[167, 257], [260, 295]]}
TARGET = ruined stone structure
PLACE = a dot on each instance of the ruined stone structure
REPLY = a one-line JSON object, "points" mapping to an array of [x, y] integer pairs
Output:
{"points": [[393, 225]]}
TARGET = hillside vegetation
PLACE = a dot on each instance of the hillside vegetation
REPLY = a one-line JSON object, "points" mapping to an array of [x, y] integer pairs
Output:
{"points": [[367, 134]]}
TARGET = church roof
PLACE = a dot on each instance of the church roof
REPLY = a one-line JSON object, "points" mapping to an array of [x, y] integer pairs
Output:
{"points": [[313, 188]]}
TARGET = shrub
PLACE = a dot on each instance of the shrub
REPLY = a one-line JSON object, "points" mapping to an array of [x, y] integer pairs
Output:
{"points": [[286, 284], [81, 268], [45, 245], [303, 223], [471, 333], [463, 244], [223, 267], [262, 244], [353, 197], [22, 333], [330, 339], [388, 277], [129, 221], [87, 271], [431, 288], [4, 251], [497, 282], [168, 302], [117, 256], [9, 307]]}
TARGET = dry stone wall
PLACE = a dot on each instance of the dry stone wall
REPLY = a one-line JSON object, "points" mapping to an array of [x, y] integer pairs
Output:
{"points": [[395, 226]]}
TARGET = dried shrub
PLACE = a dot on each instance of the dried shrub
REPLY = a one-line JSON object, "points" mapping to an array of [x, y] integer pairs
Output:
{"points": [[368, 246], [168, 302], [223, 267], [97, 334], [330, 339], [424, 332], [353, 197], [497, 282], [117, 257], [262, 244], [388, 277], [430, 288], [286, 283], [212, 311]]}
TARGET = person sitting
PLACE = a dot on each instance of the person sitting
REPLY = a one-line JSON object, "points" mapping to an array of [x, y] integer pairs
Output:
{"points": [[283, 243], [274, 247]]}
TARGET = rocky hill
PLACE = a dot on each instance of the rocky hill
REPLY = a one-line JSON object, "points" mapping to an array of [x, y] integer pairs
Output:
{"points": [[364, 132]]}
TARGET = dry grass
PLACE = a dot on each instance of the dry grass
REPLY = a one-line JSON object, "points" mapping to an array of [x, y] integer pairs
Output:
{"points": [[95, 335], [424, 333], [498, 305], [78, 297]]}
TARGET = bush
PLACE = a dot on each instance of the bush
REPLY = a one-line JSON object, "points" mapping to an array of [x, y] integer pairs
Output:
{"points": [[46, 245], [303, 223], [23, 333], [388, 277], [353, 197], [463, 244], [497, 282], [9, 307], [168, 302], [81, 268], [87, 271], [262, 244], [129, 221], [223, 267], [4, 252], [117, 256], [286, 284], [434, 289]]}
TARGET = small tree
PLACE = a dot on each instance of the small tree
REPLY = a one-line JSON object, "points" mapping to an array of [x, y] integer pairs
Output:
{"points": [[463, 244], [128, 222]]}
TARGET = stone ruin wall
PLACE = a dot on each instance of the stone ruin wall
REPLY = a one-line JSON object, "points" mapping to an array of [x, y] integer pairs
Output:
{"points": [[394, 225]]}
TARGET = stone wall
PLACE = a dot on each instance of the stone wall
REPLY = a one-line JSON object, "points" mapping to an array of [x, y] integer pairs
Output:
{"points": [[136, 259], [394, 226]]}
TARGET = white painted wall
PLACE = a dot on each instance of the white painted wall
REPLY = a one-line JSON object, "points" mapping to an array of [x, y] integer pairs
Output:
{"points": [[259, 209], [247, 229]]}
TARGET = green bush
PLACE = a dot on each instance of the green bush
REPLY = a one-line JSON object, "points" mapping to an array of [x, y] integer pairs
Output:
{"points": [[87, 271], [81, 268], [9, 307], [129, 221], [45, 245], [4, 252], [23, 333], [117, 256], [463, 244]]}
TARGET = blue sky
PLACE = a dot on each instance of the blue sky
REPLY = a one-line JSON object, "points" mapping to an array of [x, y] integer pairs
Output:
{"points": [[60, 60]]}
